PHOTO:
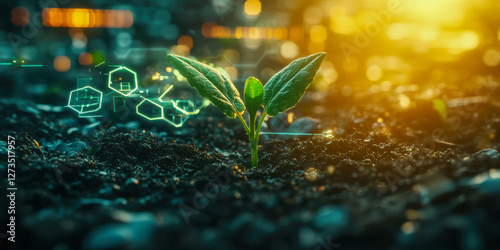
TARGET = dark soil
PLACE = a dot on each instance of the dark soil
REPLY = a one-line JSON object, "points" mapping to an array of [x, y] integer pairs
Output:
{"points": [[389, 178]]}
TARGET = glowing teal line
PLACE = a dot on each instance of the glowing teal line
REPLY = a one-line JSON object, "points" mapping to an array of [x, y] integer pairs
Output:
{"points": [[100, 64], [327, 134], [5, 64], [31, 65], [283, 133], [89, 116]]}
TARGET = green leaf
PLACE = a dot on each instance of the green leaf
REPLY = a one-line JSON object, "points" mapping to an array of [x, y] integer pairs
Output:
{"points": [[210, 84], [286, 88], [440, 106], [254, 91]]}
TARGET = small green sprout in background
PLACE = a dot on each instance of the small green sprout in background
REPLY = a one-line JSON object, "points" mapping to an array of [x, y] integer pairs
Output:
{"points": [[440, 106], [281, 93]]}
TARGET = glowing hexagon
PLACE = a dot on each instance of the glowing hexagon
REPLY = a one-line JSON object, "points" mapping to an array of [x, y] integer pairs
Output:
{"points": [[85, 100], [122, 80], [150, 110], [153, 111]]}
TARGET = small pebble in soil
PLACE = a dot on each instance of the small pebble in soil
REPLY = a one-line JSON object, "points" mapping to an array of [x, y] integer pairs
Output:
{"points": [[131, 181], [135, 232], [331, 169], [487, 182], [433, 188], [311, 174], [330, 217], [486, 154]]}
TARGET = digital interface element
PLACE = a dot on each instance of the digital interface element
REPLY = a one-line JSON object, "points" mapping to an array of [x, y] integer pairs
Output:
{"points": [[325, 134], [123, 89], [119, 84], [85, 100], [20, 63]]}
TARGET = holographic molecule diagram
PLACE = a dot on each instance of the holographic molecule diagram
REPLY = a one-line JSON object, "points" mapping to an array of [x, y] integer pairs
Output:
{"points": [[123, 88]]}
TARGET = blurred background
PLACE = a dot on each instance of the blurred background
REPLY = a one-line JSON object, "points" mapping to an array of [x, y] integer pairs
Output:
{"points": [[373, 46]]}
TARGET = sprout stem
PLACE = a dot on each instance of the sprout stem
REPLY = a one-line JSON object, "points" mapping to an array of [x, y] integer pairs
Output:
{"points": [[254, 138]]}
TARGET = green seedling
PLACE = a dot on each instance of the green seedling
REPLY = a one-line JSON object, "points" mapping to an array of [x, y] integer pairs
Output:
{"points": [[281, 93], [440, 106]]}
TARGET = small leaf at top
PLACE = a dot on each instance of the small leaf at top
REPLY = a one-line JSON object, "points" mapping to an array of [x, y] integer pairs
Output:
{"points": [[210, 84], [286, 88], [254, 91]]}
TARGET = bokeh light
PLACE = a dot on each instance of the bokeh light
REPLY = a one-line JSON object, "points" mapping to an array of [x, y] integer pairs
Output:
{"points": [[289, 50], [491, 58], [85, 58], [20, 16], [252, 7], [62, 63], [87, 18]]}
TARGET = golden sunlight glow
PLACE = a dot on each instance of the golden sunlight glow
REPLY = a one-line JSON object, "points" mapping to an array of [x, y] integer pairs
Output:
{"points": [[328, 76], [313, 15], [315, 47], [396, 31], [404, 101], [318, 34], [252, 7], [469, 40], [491, 58], [374, 73], [340, 22], [437, 12], [289, 50]]}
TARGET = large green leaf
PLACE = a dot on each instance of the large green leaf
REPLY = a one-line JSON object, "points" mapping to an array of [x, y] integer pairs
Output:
{"points": [[286, 88], [210, 84], [254, 91]]}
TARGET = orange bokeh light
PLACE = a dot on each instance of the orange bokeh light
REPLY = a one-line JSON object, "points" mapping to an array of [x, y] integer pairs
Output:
{"points": [[212, 30], [85, 58], [87, 18], [186, 40], [20, 16], [62, 63]]}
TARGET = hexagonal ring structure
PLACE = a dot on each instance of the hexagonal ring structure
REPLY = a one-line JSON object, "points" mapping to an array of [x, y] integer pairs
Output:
{"points": [[122, 80], [85, 100], [156, 110]]}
